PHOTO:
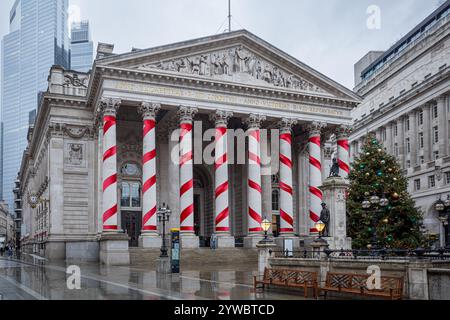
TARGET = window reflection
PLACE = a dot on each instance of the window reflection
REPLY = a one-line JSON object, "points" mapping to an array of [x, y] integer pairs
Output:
{"points": [[275, 199], [135, 195], [125, 199], [131, 195]]}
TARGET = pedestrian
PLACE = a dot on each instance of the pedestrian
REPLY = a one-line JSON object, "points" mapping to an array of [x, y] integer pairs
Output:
{"points": [[10, 250], [213, 241], [2, 250]]}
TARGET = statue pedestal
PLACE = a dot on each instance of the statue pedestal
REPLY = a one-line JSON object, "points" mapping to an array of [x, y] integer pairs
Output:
{"points": [[334, 190]]}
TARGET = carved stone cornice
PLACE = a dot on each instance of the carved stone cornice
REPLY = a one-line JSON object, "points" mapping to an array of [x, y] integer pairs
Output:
{"points": [[149, 110], [187, 114], [254, 120], [77, 132], [221, 117], [343, 131], [315, 128], [286, 125]]}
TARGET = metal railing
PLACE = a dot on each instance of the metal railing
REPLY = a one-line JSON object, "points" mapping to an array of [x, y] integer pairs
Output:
{"points": [[383, 254]]}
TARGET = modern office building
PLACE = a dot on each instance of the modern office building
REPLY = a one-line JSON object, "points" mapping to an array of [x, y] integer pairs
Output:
{"points": [[81, 47], [38, 38], [406, 104]]}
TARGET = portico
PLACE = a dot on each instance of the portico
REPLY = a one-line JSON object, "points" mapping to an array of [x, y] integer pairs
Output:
{"points": [[226, 130]]}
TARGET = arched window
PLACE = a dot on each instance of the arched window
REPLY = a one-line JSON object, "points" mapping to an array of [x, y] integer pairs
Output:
{"points": [[275, 199]]}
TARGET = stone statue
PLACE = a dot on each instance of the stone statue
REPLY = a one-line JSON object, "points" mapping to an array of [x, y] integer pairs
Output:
{"points": [[325, 218], [334, 171]]}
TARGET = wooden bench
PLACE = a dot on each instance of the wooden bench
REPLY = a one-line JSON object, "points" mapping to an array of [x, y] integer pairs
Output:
{"points": [[287, 278], [391, 287]]}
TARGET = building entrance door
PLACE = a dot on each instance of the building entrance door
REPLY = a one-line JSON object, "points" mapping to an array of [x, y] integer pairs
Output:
{"points": [[131, 222]]}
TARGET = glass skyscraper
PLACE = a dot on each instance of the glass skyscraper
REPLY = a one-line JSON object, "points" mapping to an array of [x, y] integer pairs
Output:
{"points": [[38, 38], [81, 47]]}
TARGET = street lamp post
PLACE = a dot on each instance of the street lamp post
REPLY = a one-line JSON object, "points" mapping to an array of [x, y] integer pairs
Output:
{"points": [[265, 225], [443, 209], [163, 216], [377, 204]]}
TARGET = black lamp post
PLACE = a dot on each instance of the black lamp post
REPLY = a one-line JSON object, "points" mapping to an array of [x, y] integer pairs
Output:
{"points": [[377, 204], [443, 209], [163, 216]]}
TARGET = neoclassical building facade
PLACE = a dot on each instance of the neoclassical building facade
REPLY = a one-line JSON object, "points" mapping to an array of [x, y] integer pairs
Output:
{"points": [[111, 146], [406, 104]]}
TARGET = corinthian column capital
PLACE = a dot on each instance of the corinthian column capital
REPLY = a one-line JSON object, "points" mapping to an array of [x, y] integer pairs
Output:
{"points": [[315, 128], [286, 125], [187, 114], [343, 131], [149, 110], [109, 106], [254, 120], [221, 117]]}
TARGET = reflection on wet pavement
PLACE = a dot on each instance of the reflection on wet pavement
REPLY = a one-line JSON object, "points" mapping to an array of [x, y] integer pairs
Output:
{"points": [[25, 280]]}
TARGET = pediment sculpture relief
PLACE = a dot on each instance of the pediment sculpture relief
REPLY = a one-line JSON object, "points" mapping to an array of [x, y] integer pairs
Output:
{"points": [[235, 64]]}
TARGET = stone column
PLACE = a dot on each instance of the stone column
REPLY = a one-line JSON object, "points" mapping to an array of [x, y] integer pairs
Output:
{"points": [[254, 190], [286, 192], [149, 236], [315, 173], [413, 138], [389, 138], [110, 216], [401, 141], [113, 243], [187, 234], [222, 212], [343, 150], [443, 126], [427, 142]]}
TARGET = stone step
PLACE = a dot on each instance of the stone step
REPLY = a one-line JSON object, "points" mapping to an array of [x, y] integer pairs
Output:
{"points": [[201, 256]]}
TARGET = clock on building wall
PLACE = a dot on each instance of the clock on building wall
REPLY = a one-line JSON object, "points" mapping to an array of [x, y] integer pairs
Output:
{"points": [[33, 200]]}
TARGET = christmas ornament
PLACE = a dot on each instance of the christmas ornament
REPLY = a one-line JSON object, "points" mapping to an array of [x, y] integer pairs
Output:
{"points": [[390, 169], [379, 173], [395, 196], [385, 220], [367, 174], [379, 150], [367, 153], [383, 162]]}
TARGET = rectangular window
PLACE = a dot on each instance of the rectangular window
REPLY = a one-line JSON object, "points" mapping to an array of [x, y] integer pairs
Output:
{"points": [[436, 134], [435, 111], [421, 140], [447, 177], [431, 182], [416, 184], [395, 130], [420, 118], [396, 149], [408, 145], [407, 124], [422, 160], [408, 163]]}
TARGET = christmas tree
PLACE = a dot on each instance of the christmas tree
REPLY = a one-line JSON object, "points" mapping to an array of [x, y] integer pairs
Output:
{"points": [[381, 212]]}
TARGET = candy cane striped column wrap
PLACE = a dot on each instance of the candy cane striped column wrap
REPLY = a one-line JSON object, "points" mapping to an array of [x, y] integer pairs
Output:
{"points": [[149, 224], [186, 170], [286, 192], [109, 108], [222, 221], [254, 197], [343, 149], [315, 173]]}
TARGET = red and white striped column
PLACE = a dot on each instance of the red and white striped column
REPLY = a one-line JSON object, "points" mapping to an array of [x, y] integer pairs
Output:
{"points": [[222, 221], [343, 150], [315, 173], [109, 108], [285, 183], [149, 221], [254, 196], [186, 171]]}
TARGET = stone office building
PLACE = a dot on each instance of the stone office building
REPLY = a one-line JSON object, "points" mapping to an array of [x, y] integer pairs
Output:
{"points": [[104, 154], [406, 92]]}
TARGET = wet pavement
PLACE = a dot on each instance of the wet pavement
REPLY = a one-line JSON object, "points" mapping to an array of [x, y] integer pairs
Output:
{"points": [[33, 278]]}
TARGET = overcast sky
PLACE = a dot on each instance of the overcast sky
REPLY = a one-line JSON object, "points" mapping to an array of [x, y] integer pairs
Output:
{"points": [[328, 35]]}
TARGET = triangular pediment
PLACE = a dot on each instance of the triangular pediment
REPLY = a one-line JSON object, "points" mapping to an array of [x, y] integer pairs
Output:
{"points": [[238, 57]]}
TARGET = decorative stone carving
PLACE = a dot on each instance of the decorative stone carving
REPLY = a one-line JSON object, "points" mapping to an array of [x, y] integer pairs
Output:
{"points": [[149, 110], [109, 106], [187, 114], [286, 125], [75, 154], [343, 131], [315, 128], [73, 80], [221, 117], [77, 132], [255, 120], [237, 63]]}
